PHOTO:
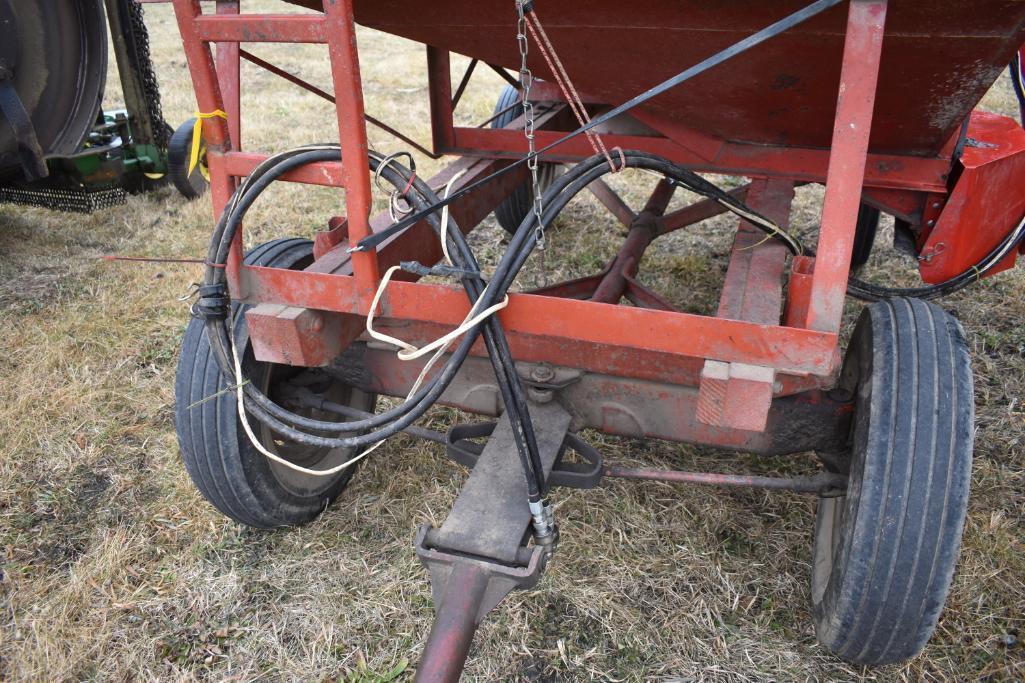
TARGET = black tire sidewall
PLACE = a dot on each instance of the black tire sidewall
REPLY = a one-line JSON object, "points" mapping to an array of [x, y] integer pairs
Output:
{"points": [[219, 457], [179, 153], [512, 210], [889, 519]]}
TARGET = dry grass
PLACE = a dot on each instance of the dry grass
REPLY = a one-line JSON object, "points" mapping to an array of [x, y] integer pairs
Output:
{"points": [[115, 569]]}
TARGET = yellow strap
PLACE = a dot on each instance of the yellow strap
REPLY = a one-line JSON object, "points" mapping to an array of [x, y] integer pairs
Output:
{"points": [[197, 135], [154, 176]]}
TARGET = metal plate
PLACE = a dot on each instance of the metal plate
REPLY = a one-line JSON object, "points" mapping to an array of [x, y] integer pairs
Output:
{"points": [[59, 55], [939, 59]]}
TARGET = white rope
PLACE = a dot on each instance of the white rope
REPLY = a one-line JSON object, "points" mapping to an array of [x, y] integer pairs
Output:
{"points": [[410, 352], [244, 419]]}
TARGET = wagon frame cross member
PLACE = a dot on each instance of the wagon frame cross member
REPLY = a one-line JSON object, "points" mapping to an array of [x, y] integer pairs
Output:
{"points": [[294, 340]]}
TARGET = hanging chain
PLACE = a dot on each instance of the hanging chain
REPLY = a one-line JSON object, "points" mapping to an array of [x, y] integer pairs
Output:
{"points": [[526, 81], [144, 64]]}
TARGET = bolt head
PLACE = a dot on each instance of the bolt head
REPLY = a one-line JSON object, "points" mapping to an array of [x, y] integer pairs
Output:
{"points": [[542, 373]]}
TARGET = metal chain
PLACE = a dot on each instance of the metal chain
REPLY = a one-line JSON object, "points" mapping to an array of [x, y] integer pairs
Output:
{"points": [[526, 81], [140, 41]]}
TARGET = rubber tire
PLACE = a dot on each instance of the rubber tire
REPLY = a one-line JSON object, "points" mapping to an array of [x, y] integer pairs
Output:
{"points": [[885, 553], [864, 236], [179, 152], [514, 208], [222, 463]]}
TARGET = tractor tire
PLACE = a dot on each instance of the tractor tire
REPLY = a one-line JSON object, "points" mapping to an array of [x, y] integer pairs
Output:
{"points": [[514, 208], [179, 152], [223, 464], [885, 552]]}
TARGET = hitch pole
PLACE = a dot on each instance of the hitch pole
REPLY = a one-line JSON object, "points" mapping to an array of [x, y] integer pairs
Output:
{"points": [[454, 626]]}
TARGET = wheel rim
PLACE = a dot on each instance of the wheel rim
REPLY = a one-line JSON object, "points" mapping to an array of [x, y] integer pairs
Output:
{"points": [[273, 379], [828, 532]]}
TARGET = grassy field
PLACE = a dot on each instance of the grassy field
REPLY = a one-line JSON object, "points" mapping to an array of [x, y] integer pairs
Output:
{"points": [[115, 569]]}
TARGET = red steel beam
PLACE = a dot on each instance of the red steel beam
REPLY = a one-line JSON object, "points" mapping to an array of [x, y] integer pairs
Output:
{"points": [[352, 127], [229, 77], [753, 289], [735, 396], [578, 326], [815, 484], [261, 28], [660, 406], [215, 130], [325, 173], [697, 212], [847, 163], [795, 163], [419, 242], [439, 88]]}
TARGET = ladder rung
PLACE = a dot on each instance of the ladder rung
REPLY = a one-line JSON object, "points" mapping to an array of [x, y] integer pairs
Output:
{"points": [[261, 28], [327, 173]]}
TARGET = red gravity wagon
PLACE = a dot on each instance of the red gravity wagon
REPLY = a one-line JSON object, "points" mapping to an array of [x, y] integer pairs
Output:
{"points": [[873, 99]]}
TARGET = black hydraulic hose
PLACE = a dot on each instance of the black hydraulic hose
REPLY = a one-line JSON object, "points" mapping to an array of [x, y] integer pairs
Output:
{"points": [[220, 342], [501, 359], [397, 419], [278, 417], [867, 291]]}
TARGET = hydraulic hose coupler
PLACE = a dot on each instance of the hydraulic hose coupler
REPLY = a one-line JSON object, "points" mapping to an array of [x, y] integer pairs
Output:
{"points": [[546, 533]]}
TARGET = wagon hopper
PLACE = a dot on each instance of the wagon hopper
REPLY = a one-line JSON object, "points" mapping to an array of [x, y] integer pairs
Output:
{"points": [[293, 341]]}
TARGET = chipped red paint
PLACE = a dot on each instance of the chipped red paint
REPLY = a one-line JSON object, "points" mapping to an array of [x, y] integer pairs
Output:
{"points": [[454, 626]]}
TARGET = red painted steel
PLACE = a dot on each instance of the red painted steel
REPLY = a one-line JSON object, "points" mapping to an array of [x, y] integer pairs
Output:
{"points": [[455, 624], [695, 213], [328, 173], [262, 28], [736, 396], [568, 322], [633, 370], [796, 163], [419, 242], [352, 128], [981, 211], [660, 406], [215, 130], [613, 202], [796, 484], [643, 230], [780, 136], [228, 77], [439, 79], [852, 129], [941, 56]]}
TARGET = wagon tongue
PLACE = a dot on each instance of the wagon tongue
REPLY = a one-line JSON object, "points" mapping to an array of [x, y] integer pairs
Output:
{"points": [[479, 554]]}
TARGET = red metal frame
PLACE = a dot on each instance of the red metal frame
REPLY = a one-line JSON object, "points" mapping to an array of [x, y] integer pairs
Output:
{"points": [[742, 360]]}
